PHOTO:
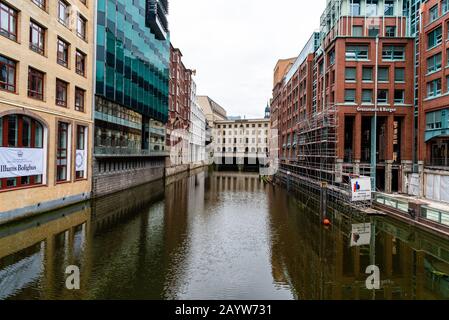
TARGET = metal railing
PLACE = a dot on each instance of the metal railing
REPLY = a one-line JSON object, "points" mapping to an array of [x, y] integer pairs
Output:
{"points": [[392, 202], [435, 215]]}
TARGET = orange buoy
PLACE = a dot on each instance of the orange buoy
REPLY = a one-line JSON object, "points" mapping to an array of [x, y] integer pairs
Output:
{"points": [[326, 222]]}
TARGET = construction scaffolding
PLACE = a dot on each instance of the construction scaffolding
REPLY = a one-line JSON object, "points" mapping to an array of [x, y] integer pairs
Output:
{"points": [[316, 165]]}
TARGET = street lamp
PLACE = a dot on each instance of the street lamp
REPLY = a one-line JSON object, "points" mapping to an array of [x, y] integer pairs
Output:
{"points": [[374, 122]]}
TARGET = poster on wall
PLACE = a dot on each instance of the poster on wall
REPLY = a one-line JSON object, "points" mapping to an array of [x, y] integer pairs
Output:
{"points": [[21, 162], [81, 160], [361, 189]]}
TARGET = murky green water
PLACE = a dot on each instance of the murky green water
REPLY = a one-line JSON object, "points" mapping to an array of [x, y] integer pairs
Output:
{"points": [[214, 236]]}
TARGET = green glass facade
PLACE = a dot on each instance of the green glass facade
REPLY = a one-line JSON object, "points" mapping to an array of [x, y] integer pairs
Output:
{"points": [[132, 66]]}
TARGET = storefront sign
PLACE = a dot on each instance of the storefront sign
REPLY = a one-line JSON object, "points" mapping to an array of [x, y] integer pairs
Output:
{"points": [[379, 109], [81, 160], [21, 162], [361, 234], [361, 189]]}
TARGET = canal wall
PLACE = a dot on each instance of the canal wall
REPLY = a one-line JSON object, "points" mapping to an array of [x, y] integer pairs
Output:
{"points": [[114, 175]]}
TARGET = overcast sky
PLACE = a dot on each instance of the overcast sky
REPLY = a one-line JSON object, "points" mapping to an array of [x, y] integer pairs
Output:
{"points": [[234, 45]]}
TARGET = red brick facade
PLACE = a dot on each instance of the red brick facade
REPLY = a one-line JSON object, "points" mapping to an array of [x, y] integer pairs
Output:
{"points": [[433, 101], [179, 92], [344, 76]]}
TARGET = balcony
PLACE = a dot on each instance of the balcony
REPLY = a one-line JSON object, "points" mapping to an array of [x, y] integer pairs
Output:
{"points": [[156, 18]]}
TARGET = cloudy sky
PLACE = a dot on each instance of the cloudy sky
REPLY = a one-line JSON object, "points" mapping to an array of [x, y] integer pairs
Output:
{"points": [[234, 45]]}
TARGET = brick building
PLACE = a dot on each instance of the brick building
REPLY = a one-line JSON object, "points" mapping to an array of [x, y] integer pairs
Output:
{"points": [[433, 75], [359, 71], [180, 87]]}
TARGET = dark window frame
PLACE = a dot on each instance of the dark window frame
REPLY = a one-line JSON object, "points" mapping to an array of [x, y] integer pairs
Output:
{"points": [[12, 14], [33, 75]]}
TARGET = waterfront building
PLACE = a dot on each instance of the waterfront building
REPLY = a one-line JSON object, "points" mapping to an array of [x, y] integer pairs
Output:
{"points": [[433, 102], [180, 102], [241, 142], [131, 93], [212, 110], [197, 131], [350, 101], [46, 58]]}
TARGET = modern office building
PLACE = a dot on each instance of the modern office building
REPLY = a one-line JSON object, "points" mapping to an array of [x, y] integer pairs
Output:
{"points": [[46, 58], [131, 93]]}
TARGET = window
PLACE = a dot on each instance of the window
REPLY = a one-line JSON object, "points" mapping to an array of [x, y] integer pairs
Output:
{"points": [[389, 8], [433, 13], [19, 131], [435, 38], [35, 84], [434, 63], [79, 99], [7, 74], [371, 8], [62, 152], [61, 93], [81, 138], [350, 74], [349, 95], [390, 31], [63, 12], [399, 75], [37, 38], [357, 31], [391, 53], [63, 53], [40, 3], [382, 96], [399, 96], [434, 88], [447, 83], [445, 5], [356, 52], [81, 24], [332, 58], [433, 120], [367, 74], [355, 8], [373, 32], [8, 21], [367, 96], [384, 74]]}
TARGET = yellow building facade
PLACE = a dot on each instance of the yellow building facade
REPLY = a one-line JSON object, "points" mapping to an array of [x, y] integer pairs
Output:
{"points": [[46, 84]]}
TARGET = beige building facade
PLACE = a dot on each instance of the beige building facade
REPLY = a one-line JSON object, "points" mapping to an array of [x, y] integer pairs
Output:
{"points": [[46, 59]]}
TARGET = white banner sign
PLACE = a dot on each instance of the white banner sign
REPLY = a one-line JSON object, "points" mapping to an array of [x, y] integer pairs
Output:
{"points": [[361, 234], [21, 162], [81, 160], [361, 189]]}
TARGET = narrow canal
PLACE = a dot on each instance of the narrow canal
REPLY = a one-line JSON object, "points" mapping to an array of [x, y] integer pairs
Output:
{"points": [[214, 235]]}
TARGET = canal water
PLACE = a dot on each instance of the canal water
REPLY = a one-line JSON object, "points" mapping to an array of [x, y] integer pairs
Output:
{"points": [[215, 235]]}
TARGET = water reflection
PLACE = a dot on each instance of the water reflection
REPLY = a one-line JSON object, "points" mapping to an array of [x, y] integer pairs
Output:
{"points": [[214, 235]]}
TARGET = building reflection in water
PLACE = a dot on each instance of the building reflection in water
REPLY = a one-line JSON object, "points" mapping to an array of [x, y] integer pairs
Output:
{"points": [[319, 263], [216, 235]]}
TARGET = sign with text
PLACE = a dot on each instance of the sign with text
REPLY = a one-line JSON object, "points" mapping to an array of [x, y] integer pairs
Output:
{"points": [[361, 234], [361, 189], [21, 162]]}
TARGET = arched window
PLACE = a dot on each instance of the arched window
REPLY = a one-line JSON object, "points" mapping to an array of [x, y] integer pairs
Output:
{"points": [[20, 131]]}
